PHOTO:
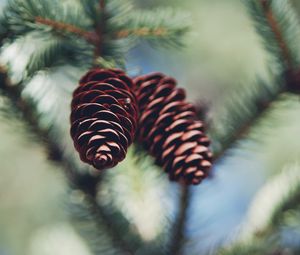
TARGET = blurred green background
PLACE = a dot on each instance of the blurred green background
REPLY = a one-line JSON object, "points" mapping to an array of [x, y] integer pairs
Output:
{"points": [[223, 53]]}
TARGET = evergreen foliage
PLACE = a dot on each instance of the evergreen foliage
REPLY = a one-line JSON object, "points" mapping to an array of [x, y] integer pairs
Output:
{"points": [[68, 38]]}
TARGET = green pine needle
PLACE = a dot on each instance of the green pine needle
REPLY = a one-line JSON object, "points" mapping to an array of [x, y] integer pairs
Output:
{"points": [[163, 27], [278, 26]]}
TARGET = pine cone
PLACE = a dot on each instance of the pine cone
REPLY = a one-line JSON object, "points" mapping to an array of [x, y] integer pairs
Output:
{"points": [[104, 117], [169, 129]]}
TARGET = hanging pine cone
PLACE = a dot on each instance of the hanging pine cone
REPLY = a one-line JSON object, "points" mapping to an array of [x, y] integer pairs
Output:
{"points": [[169, 129], [104, 117]]}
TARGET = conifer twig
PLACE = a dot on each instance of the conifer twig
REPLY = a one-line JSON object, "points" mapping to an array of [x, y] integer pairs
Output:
{"points": [[14, 94], [101, 219], [100, 26], [262, 107], [273, 23], [89, 36], [291, 78], [180, 222], [143, 31], [102, 4]]}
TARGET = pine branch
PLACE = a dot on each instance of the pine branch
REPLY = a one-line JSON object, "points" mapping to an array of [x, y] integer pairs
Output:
{"points": [[102, 4], [89, 7], [282, 44], [162, 27], [242, 131], [53, 52], [22, 17], [103, 15], [83, 223], [14, 94], [241, 112], [104, 220], [278, 26], [78, 178], [291, 197], [54, 149], [100, 28], [112, 28], [177, 239], [276, 23], [74, 37], [143, 32], [115, 226], [89, 225], [89, 36]]}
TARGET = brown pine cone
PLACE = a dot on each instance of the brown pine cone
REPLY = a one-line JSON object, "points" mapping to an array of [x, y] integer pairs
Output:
{"points": [[104, 117], [169, 129]]}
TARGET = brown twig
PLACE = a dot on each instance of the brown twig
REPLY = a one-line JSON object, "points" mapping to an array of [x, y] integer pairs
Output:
{"points": [[180, 223], [144, 31], [99, 29], [266, 5], [89, 36], [102, 4]]}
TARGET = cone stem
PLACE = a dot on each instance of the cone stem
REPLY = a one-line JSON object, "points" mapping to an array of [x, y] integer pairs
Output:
{"points": [[180, 223], [100, 26]]}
